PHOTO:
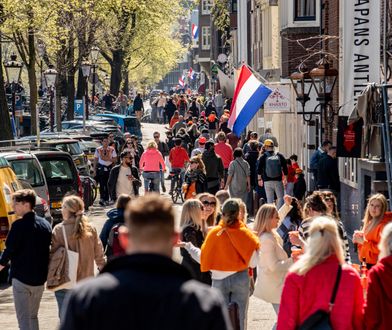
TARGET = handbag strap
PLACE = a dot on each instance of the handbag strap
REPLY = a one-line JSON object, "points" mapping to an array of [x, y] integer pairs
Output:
{"points": [[65, 238], [335, 288]]}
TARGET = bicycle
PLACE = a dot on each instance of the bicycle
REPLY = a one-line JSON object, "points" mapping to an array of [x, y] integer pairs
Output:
{"points": [[176, 193]]}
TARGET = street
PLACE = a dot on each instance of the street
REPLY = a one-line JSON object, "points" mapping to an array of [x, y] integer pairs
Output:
{"points": [[260, 316]]}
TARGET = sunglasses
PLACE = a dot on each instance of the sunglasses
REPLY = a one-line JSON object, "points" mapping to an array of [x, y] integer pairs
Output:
{"points": [[207, 203], [156, 137], [194, 163]]}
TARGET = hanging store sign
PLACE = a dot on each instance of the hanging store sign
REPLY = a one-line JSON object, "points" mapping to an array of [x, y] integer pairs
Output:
{"points": [[278, 100], [360, 21]]}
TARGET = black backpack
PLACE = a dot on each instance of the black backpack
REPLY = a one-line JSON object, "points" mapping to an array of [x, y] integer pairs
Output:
{"points": [[273, 166]]}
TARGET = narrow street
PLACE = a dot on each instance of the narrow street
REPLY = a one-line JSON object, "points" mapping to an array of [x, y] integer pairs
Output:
{"points": [[261, 315]]}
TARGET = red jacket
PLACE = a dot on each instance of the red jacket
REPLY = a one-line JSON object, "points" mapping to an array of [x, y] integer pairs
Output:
{"points": [[305, 294], [378, 308], [178, 157], [225, 151]]}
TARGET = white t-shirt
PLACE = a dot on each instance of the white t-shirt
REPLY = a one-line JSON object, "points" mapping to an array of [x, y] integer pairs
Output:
{"points": [[124, 185], [105, 156]]}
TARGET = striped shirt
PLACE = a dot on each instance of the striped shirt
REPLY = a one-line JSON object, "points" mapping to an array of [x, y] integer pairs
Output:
{"points": [[304, 233]]}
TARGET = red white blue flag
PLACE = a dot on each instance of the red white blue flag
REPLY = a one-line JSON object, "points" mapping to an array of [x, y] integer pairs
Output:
{"points": [[249, 95], [191, 74], [195, 31], [181, 81]]}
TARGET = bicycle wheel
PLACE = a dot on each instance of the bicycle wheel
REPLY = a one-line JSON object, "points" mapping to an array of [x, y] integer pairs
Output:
{"points": [[181, 194], [174, 196]]}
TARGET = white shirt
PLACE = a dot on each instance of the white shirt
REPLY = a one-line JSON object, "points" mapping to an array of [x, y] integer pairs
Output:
{"points": [[124, 185], [105, 156]]}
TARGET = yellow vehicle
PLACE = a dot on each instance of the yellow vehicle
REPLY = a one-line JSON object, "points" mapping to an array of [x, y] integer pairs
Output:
{"points": [[8, 185]]}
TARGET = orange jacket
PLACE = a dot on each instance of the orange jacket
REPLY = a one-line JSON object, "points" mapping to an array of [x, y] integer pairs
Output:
{"points": [[369, 249], [228, 248]]}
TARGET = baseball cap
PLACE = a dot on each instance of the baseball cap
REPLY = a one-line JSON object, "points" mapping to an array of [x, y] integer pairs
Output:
{"points": [[230, 206], [202, 140], [268, 143], [298, 171]]}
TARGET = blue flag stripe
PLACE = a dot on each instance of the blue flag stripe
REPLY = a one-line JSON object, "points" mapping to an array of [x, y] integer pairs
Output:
{"points": [[250, 109]]}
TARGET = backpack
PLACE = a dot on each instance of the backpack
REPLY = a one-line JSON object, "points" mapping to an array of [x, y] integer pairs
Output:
{"points": [[113, 247], [273, 167]]}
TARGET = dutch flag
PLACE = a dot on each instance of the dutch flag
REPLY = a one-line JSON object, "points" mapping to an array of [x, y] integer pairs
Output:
{"points": [[249, 95], [190, 74], [181, 81], [195, 31]]}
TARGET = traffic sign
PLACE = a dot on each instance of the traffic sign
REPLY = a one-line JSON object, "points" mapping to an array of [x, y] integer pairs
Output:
{"points": [[79, 107]]}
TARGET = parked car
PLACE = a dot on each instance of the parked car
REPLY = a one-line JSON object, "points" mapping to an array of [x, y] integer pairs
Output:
{"points": [[27, 168], [73, 148], [62, 177], [128, 123]]}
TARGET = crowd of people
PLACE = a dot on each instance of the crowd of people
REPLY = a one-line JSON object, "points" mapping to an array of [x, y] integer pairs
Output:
{"points": [[247, 228]]}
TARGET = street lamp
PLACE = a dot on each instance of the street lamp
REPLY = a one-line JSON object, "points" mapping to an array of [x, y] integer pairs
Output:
{"points": [[324, 78], [50, 81], [94, 53], [41, 54], [86, 68], [302, 83], [13, 69]]}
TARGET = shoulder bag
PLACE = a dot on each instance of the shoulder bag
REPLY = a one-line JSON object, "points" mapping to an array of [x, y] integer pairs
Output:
{"points": [[72, 271], [321, 319]]}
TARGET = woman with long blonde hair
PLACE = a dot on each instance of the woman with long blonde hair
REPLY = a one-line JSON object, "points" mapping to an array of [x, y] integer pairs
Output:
{"points": [[193, 230], [309, 284], [211, 208], [374, 221], [273, 263], [378, 311], [81, 237]]}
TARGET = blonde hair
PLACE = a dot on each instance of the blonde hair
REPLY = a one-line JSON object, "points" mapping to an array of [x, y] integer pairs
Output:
{"points": [[191, 214], [385, 244], [75, 206], [263, 223], [368, 224], [212, 218], [243, 210], [200, 163], [152, 145], [323, 242]]}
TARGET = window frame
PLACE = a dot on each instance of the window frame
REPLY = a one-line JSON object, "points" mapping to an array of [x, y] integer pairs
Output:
{"points": [[297, 18], [203, 45], [206, 6]]}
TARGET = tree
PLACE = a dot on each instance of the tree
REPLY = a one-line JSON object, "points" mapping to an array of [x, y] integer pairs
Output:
{"points": [[126, 30], [5, 123], [24, 19]]}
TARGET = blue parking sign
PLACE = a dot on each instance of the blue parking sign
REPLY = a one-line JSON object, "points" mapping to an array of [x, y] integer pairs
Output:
{"points": [[79, 107]]}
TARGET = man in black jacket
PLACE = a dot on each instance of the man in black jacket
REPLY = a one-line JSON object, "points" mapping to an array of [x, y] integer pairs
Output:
{"points": [[328, 172], [146, 289], [27, 247], [215, 170], [124, 178], [272, 173]]}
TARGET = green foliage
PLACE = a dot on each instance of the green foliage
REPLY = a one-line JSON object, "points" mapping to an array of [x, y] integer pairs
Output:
{"points": [[221, 15]]}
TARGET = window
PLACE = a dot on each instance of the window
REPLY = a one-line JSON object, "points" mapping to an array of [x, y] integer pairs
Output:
{"points": [[206, 7], [234, 6], [205, 38], [28, 170], [304, 10]]}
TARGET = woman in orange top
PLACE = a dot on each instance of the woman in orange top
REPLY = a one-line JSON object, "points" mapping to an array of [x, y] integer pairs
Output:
{"points": [[374, 222], [228, 250], [174, 119]]}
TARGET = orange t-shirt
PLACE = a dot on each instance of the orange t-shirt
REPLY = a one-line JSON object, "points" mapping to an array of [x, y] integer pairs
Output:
{"points": [[369, 249]]}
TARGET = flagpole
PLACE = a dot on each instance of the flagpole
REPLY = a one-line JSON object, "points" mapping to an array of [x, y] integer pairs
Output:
{"points": [[258, 75]]}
